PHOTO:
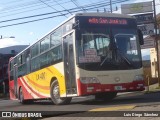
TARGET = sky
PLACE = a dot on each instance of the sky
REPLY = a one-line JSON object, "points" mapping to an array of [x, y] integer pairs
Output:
{"points": [[26, 34]]}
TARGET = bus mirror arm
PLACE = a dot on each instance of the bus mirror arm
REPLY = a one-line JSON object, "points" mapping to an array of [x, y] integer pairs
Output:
{"points": [[140, 35]]}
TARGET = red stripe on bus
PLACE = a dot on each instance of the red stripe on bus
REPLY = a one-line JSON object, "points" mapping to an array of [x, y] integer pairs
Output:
{"points": [[40, 86], [37, 94]]}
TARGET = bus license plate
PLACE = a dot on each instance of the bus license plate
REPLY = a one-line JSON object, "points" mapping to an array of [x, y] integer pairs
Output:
{"points": [[118, 87]]}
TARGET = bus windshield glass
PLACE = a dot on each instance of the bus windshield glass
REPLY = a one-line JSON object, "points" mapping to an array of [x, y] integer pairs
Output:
{"points": [[111, 48]]}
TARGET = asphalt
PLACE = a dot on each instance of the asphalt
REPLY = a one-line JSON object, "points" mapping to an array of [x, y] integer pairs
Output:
{"points": [[148, 90]]}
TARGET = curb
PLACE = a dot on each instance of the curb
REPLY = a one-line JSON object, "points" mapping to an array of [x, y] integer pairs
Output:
{"points": [[151, 91], [115, 108]]}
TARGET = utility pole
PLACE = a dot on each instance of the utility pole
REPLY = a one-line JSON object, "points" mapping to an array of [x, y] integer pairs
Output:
{"points": [[111, 5], [156, 40]]}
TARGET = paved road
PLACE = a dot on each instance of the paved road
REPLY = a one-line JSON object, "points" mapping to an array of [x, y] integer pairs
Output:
{"points": [[122, 102]]}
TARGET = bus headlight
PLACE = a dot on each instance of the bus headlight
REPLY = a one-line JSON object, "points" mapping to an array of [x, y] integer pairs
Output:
{"points": [[138, 78], [87, 80]]}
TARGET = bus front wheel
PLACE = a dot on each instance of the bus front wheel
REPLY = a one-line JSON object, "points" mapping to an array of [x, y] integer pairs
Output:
{"points": [[55, 95], [106, 96]]}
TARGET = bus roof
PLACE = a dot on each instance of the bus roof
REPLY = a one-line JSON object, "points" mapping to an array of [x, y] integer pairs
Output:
{"points": [[100, 14], [104, 15]]}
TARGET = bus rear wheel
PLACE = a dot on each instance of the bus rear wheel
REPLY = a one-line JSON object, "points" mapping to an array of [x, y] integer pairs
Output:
{"points": [[21, 97], [55, 95], [107, 96]]}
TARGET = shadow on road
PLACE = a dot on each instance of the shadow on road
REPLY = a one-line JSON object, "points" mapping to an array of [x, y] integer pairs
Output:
{"points": [[131, 98]]}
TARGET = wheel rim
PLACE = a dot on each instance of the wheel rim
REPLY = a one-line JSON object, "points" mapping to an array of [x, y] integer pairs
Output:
{"points": [[56, 92]]}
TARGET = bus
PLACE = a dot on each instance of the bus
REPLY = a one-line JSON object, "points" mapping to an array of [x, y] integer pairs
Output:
{"points": [[88, 54]]}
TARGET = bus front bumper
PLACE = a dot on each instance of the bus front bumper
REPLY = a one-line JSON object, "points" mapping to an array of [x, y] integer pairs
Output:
{"points": [[93, 88]]}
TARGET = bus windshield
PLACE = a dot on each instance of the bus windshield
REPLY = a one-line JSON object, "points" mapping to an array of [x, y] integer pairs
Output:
{"points": [[108, 49]]}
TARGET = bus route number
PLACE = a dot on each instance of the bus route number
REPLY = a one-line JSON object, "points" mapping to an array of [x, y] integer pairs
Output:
{"points": [[41, 76]]}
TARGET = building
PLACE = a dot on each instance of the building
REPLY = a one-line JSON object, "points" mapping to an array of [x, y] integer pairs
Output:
{"points": [[5, 54]]}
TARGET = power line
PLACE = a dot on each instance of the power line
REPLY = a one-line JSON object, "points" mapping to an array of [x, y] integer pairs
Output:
{"points": [[63, 7], [48, 13], [93, 4], [28, 5], [91, 7], [31, 21], [29, 10], [19, 5], [38, 8], [51, 7], [77, 5]]}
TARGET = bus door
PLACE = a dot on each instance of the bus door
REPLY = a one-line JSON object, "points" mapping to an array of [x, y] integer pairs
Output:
{"points": [[15, 72], [69, 63]]}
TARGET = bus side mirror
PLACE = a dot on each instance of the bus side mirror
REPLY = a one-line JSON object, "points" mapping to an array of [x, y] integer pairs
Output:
{"points": [[140, 35]]}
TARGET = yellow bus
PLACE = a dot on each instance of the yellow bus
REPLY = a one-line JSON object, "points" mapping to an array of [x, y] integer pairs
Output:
{"points": [[88, 54]]}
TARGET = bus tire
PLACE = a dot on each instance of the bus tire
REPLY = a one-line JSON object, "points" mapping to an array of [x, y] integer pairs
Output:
{"points": [[21, 96], [107, 96], [55, 96]]}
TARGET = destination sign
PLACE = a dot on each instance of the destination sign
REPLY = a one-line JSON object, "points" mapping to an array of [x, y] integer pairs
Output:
{"points": [[144, 18], [107, 21]]}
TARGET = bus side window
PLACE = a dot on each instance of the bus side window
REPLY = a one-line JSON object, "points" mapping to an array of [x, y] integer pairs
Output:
{"points": [[51, 57], [19, 60], [43, 60], [45, 44], [11, 65], [35, 50], [15, 61], [26, 60], [56, 37], [55, 54]]}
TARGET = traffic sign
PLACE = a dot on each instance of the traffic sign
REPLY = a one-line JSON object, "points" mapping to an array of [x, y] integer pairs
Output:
{"points": [[147, 29], [144, 18]]}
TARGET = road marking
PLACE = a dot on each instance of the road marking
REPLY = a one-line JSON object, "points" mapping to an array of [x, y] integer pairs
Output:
{"points": [[114, 108], [123, 93]]}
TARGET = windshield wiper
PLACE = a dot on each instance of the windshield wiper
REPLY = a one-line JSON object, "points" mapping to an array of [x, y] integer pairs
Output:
{"points": [[103, 61], [123, 56]]}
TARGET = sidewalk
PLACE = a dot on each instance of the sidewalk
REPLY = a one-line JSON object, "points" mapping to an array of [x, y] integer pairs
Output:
{"points": [[152, 88]]}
